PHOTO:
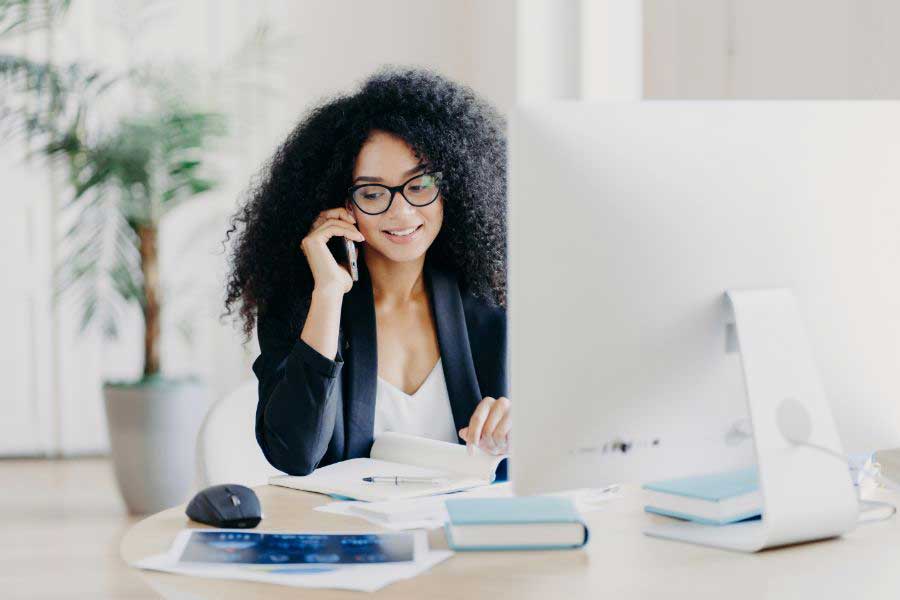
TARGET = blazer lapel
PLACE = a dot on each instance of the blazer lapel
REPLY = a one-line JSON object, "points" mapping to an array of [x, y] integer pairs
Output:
{"points": [[453, 338], [361, 363], [361, 356]]}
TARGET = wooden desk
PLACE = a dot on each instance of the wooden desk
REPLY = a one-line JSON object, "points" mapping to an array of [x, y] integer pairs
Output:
{"points": [[619, 562]]}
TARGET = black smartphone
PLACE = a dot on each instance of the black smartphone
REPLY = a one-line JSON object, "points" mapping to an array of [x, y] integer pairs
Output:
{"points": [[344, 251]]}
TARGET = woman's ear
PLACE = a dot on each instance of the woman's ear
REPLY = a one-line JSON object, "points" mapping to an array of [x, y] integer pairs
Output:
{"points": [[351, 208]]}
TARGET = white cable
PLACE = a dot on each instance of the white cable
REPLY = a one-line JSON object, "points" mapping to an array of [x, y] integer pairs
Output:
{"points": [[876, 476]]}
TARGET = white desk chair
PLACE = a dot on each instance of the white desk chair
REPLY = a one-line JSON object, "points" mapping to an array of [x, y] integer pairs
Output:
{"points": [[227, 451]]}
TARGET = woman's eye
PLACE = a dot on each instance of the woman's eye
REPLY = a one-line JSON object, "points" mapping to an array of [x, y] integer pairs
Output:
{"points": [[372, 195]]}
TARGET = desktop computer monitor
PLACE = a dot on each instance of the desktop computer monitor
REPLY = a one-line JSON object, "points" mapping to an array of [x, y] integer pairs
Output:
{"points": [[628, 223]]}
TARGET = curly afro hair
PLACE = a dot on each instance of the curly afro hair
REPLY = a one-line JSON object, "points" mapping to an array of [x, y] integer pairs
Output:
{"points": [[444, 122]]}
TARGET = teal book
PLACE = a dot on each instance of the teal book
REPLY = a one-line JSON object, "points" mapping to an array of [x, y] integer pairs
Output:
{"points": [[528, 523], [715, 499]]}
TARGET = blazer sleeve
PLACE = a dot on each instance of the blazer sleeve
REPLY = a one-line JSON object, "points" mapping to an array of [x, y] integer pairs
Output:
{"points": [[295, 416]]}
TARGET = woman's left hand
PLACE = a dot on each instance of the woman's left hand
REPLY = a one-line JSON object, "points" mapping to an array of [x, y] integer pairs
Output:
{"points": [[489, 426]]}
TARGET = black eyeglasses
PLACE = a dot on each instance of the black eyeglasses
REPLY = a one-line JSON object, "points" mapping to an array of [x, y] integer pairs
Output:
{"points": [[375, 198]]}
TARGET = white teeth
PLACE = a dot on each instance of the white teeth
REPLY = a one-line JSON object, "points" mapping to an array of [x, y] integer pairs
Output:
{"points": [[402, 232]]}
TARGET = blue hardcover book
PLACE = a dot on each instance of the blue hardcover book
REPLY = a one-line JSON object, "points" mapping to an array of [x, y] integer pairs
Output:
{"points": [[528, 523], [716, 499]]}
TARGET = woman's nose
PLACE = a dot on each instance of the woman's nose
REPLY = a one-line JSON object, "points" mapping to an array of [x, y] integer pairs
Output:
{"points": [[400, 206]]}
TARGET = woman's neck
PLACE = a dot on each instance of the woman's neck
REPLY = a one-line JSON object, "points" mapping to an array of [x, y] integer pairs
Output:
{"points": [[395, 283]]}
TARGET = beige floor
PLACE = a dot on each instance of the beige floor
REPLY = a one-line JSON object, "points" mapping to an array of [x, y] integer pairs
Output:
{"points": [[62, 522]]}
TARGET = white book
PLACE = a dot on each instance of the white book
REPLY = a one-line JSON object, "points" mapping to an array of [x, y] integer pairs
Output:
{"points": [[404, 455]]}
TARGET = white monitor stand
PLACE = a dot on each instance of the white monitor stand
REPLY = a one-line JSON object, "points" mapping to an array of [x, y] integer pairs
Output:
{"points": [[807, 492]]}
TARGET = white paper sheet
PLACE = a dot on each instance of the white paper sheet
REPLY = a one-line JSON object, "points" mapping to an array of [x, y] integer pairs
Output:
{"points": [[430, 512]]}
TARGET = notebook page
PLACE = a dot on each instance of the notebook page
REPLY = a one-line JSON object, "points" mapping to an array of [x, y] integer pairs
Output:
{"points": [[346, 479], [425, 452]]}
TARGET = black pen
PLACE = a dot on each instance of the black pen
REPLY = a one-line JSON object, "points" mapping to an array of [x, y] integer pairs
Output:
{"points": [[400, 480]]}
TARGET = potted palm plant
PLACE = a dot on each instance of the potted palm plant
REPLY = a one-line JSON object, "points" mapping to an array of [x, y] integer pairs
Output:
{"points": [[124, 184], [122, 175]]}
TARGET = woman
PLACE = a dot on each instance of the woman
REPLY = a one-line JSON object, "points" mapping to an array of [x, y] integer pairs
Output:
{"points": [[411, 168]]}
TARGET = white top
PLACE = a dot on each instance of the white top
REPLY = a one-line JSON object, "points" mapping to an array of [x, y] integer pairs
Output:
{"points": [[425, 413]]}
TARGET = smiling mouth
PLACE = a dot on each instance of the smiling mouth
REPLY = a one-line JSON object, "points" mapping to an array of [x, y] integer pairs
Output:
{"points": [[403, 232]]}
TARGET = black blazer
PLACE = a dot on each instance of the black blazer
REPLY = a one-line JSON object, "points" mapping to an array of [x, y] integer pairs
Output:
{"points": [[314, 411]]}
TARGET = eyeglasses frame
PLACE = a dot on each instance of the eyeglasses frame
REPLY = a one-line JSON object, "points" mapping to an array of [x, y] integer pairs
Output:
{"points": [[392, 190]]}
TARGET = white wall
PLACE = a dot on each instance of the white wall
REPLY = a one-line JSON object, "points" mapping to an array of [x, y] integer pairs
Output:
{"points": [[321, 48], [23, 403], [579, 49], [772, 49]]}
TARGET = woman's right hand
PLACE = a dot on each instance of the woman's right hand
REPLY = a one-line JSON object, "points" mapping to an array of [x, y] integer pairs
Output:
{"points": [[328, 274]]}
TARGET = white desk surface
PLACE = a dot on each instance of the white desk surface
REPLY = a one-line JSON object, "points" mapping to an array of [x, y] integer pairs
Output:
{"points": [[618, 563]]}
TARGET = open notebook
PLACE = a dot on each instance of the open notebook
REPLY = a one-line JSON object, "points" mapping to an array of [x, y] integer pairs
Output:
{"points": [[405, 455]]}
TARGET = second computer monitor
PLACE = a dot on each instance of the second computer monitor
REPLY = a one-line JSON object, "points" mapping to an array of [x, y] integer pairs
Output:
{"points": [[629, 221]]}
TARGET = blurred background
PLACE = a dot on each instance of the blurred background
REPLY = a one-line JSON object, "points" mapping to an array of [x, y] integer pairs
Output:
{"points": [[131, 128], [259, 66]]}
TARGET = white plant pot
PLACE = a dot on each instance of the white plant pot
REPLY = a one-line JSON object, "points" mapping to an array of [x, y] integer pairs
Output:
{"points": [[153, 433]]}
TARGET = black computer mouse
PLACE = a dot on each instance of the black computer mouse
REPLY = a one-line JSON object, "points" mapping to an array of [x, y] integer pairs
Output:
{"points": [[229, 506]]}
